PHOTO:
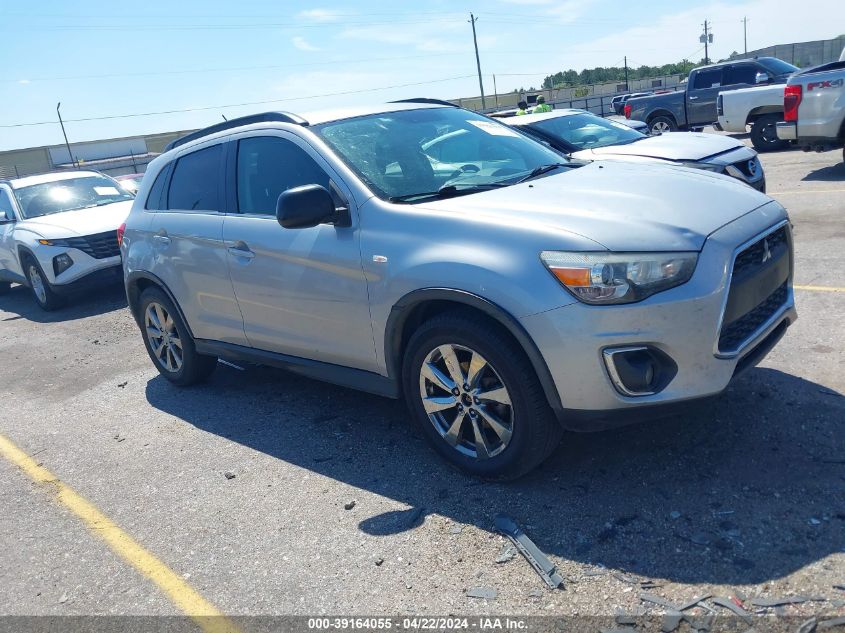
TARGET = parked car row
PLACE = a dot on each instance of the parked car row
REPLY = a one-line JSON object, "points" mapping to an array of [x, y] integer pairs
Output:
{"points": [[506, 288]]}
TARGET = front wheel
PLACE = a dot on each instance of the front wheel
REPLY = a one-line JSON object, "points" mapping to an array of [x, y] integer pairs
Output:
{"points": [[764, 134], [169, 343], [662, 124], [42, 290], [476, 397]]}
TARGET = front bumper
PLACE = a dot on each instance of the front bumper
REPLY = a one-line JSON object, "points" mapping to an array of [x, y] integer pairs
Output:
{"points": [[787, 131], [112, 274], [682, 323]]}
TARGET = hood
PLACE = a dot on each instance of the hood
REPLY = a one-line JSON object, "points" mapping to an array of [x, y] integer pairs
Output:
{"points": [[80, 222], [622, 206], [675, 146]]}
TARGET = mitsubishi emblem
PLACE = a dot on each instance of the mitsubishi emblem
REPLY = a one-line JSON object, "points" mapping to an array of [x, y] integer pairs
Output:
{"points": [[767, 253]]}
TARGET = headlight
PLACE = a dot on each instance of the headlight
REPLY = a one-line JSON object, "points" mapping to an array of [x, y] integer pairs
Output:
{"points": [[706, 167], [607, 278]]}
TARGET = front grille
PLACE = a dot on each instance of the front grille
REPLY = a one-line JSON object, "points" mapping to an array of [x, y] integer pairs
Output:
{"points": [[737, 332], [759, 288], [752, 256], [99, 246]]}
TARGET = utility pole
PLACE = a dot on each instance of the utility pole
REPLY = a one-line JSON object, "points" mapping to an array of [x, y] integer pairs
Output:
{"points": [[495, 92], [62, 123], [745, 33], [472, 20], [706, 39], [627, 88]]}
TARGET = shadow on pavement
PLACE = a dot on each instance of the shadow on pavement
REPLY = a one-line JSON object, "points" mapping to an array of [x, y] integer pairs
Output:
{"points": [[20, 303], [831, 173], [747, 490]]}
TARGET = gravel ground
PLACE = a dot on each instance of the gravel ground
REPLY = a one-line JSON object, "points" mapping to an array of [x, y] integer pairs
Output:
{"points": [[245, 486]]}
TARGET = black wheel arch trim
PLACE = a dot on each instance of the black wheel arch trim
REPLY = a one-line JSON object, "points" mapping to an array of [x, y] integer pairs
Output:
{"points": [[132, 287], [403, 308]]}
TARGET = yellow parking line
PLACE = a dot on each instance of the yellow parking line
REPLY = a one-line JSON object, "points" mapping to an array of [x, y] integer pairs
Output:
{"points": [[820, 288], [788, 193], [205, 614]]}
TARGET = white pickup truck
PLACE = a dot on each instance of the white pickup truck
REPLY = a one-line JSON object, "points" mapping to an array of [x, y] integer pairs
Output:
{"points": [[814, 108], [760, 107]]}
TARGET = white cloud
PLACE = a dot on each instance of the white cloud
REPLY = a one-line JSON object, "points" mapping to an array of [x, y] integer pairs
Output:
{"points": [[302, 44], [320, 15]]}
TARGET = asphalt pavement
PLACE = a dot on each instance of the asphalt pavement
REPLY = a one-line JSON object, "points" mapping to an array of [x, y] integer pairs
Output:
{"points": [[244, 487]]}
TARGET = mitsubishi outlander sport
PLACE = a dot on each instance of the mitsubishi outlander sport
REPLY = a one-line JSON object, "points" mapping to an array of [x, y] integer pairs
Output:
{"points": [[507, 293]]}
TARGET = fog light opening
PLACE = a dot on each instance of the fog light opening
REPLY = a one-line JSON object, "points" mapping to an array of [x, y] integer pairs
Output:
{"points": [[639, 371], [61, 263]]}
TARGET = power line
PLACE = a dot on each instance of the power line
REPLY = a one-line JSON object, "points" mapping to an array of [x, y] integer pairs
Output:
{"points": [[237, 105]]}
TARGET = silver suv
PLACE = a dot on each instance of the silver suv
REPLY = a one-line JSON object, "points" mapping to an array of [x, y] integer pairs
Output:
{"points": [[506, 292]]}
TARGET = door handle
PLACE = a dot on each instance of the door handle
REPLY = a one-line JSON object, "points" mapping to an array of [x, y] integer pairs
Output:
{"points": [[693, 98], [241, 250], [162, 240]]}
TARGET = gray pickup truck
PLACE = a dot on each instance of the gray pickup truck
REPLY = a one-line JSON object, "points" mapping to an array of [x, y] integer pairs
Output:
{"points": [[695, 107], [814, 108]]}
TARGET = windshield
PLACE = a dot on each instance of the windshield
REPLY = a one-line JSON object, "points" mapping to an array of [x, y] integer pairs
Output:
{"points": [[778, 66], [585, 131], [66, 195], [415, 152]]}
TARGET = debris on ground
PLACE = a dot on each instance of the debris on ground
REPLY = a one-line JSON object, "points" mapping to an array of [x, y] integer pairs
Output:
{"points": [[539, 561], [829, 624], [349, 504], [379, 562], [650, 597], [507, 553], [671, 621], [229, 474], [486, 593], [630, 580], [694, 602], [456, 529], [122, 384], [808, 626], [776, 602], [729, 604]]}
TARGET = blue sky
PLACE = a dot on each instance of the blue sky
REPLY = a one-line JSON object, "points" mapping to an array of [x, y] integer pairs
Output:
{"points": [[102, 58]]}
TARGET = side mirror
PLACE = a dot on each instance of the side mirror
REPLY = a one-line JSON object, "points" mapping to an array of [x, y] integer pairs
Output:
{"points": [[762, 78], [306, 206], [6, 217]]}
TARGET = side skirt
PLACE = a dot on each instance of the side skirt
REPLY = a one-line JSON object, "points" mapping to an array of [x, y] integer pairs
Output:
{"points": [[335, 374]]}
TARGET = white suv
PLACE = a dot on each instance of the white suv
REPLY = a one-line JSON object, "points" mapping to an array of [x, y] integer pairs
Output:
{"points": [[58, 233]]}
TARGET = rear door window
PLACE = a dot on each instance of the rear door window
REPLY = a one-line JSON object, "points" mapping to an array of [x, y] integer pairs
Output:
{"points": [[741, 74], [711, 78], [195, 185]]}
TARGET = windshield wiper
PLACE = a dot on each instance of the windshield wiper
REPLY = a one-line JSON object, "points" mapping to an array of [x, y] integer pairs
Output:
{"points": [[542, 169], [449, 191]]}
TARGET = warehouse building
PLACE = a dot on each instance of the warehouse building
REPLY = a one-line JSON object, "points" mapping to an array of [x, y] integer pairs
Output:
{"points": [[115, 156]]}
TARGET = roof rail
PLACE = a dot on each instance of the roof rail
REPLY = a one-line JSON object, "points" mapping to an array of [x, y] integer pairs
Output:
{"points": [[278, 117], [427, 100]]}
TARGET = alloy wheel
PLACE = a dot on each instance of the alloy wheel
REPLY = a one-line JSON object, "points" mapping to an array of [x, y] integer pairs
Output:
{"points": [[163, 337], [661, 127], [466, 401], [37, 283]]}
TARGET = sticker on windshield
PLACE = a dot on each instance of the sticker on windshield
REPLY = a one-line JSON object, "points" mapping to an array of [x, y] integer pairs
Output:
{"points": [[496, 129], [106, 191]]}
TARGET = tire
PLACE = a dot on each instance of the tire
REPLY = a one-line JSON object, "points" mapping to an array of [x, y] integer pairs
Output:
{"points": [[528, 432], [661, 124], [764, 136], [42, 291], [168, 341]]}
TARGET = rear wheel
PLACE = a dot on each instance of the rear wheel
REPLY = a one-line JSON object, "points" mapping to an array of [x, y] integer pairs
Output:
{"points": [[169, 343], [42, 291], [764, 135], [476, 398], [662, 124]]}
